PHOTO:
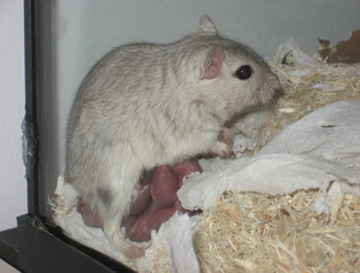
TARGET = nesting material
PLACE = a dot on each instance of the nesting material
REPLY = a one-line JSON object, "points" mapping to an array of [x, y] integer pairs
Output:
{"points": [[257, 232], [260, 233], [308, 89], [253, 232]]}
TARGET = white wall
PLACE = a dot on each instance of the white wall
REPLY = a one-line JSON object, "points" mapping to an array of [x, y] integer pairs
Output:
{"points": [[13, 200]]}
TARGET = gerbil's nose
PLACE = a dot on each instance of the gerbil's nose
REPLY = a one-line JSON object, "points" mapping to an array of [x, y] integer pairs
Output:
{"points": [[274, 82]]}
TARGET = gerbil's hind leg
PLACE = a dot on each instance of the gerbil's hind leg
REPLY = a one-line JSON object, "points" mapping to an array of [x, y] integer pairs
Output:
{"points": [[117, 238], [112, 208]]}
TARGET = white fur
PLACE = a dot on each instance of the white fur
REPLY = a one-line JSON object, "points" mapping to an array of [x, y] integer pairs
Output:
{"points": [[144, 105]]}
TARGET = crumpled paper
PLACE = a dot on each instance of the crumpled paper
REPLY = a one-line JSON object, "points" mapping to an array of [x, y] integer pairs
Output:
{"points": [[322, 150], [72, 223], [179, 239], [290, 54], [171, 244]]}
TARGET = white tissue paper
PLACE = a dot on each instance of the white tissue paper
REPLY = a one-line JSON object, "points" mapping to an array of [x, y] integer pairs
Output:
{"points": [[291, 54], [322, 150], [179, 239], [171, 244]]}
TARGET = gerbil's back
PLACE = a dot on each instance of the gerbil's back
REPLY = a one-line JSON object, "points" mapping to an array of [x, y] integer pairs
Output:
{"points": [[147, 67], [137, 75], [135, 84]]}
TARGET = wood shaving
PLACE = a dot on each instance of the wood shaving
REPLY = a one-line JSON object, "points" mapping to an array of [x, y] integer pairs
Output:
{"points": [[303, 95], [250, 232]]}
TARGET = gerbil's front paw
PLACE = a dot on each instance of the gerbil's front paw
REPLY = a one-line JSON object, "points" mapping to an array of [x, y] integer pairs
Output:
{"points": [[222, 149], [226, 136], [223, 146]]}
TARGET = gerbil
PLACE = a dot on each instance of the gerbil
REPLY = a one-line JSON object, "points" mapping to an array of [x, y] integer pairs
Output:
{"points": [[144, 105]]}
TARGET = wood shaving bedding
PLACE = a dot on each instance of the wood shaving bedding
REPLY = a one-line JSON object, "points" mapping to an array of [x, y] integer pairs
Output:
{"points": [[250, 232], [303, 95]]}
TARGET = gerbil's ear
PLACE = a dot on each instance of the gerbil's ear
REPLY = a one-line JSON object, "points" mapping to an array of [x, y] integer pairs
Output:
{"points": [[206, 24], [213, 64]]}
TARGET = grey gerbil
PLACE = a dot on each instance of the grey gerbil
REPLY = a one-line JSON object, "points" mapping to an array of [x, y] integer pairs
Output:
{"points": [[146, 104]]}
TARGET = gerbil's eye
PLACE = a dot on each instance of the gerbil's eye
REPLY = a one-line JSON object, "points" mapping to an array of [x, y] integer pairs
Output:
{"points": [[243, 72]]}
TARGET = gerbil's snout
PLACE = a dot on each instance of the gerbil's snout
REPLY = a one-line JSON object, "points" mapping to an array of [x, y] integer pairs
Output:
{"points": [[275, 85], [271, 90], [274, 82]]}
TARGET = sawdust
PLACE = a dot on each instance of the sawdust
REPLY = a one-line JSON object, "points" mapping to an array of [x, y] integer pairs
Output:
{"points": [[250, 232], [303, 95]]}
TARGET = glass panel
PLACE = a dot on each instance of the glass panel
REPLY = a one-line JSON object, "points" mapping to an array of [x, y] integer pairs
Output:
{"points": [[82, 31]]}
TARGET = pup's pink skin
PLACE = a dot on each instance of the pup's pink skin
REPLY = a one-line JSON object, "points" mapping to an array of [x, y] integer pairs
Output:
{"points": [[139, 229], [155, 204], [185, 168], [164, 185], [90, 218]]}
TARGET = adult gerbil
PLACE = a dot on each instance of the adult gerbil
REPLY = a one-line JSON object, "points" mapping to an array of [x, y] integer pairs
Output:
{"points": [[144, 105]]}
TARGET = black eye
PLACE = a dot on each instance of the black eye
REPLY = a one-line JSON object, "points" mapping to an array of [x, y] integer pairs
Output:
{"points": [[243, 72]]}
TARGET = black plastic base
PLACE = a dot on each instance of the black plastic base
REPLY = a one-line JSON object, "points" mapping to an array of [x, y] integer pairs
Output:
{"points": [[9, 245], [37, 247]]}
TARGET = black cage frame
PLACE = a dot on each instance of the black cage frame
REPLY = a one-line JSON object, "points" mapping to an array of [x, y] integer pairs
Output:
{"points": [[36, 244]]}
